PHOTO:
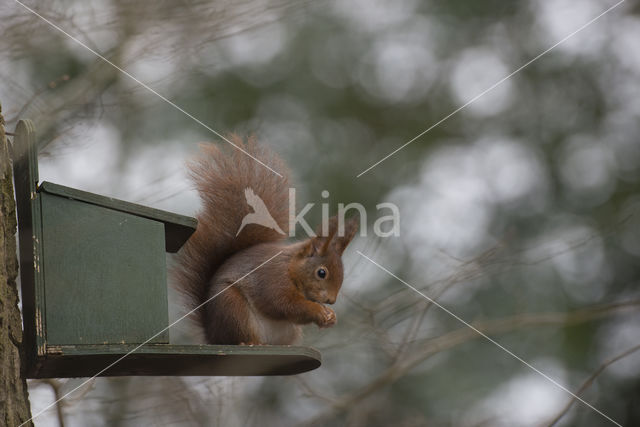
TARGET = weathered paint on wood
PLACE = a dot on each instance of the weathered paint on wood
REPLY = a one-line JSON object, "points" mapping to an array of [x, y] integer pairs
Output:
{"points": [[178, 228], [182, 360], [25, 175], [105, 274]]}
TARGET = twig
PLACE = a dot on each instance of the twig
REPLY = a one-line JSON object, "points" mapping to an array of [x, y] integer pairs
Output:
{"points": [[55, 386], [311, 392], [51, 85], [590, 380]]}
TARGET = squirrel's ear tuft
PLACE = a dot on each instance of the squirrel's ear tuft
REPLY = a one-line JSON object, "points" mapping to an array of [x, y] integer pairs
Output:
{"points": [[310, 248], [327, 228], [325, 241], [325, 234], [343, 239], [336, 238]]}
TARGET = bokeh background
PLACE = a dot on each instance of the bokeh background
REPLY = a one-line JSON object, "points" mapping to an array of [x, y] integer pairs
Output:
{"points": [[520, 213]]}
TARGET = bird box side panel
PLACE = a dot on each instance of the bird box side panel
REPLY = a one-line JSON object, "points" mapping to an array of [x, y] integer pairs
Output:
{"points": [[105, 275]]}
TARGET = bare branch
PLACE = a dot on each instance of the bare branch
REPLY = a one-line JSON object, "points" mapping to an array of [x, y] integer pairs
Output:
{"points": [[590, 381], [462, 335]]}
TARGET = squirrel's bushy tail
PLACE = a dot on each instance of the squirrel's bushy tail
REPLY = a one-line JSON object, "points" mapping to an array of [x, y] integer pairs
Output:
{"points": [[222, 178]]}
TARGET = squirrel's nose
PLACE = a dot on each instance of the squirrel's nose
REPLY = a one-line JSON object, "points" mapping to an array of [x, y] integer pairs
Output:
{"points": [[330, 300]]}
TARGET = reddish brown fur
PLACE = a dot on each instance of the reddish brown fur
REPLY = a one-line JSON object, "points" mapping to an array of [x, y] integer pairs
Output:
{"points": [[268, 305]]}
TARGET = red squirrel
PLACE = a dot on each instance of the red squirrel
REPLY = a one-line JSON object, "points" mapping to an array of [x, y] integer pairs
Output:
{"points": [[268, 305]]}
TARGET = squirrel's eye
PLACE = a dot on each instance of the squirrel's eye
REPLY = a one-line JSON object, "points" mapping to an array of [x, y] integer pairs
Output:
{"points": [[322, 273]]}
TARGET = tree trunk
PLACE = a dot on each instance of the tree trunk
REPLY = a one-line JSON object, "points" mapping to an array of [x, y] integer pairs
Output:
{"points": [[14, 396]]}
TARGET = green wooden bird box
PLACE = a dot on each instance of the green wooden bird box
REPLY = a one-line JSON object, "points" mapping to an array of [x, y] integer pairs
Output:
{"points": [[94, 287]]}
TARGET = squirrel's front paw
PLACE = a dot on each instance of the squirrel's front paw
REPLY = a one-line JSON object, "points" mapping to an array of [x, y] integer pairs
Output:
{"points": [[327, 317]]}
